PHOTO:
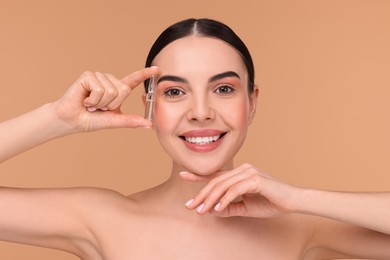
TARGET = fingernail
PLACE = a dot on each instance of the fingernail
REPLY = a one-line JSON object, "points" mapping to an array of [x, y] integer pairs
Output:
{"points": [[216, 208], [183, 173], [188, 203], [91, 109], [153, 67], [200, 208]]}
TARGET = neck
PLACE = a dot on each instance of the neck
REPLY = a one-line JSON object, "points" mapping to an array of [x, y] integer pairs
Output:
{"points": [[172, 195]]}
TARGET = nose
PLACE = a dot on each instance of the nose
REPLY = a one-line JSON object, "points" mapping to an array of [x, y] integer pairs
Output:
{"points": [[201, 110]]}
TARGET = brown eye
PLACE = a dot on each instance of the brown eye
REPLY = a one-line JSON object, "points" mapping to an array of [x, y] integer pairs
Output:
{"points": [[224, 90], [173, 93]]}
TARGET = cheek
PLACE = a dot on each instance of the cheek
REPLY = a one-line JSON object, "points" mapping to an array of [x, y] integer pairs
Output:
{"points": [[236, 113], [160, 115], [165, 117]]}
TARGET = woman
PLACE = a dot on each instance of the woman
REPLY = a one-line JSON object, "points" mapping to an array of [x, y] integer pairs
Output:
{"points": [[207, 209]]}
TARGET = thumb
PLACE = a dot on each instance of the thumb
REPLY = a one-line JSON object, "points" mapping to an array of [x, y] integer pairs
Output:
{"points": [[128, 121]]}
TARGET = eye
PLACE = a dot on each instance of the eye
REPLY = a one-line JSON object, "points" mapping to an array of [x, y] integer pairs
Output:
{"points": [[224, 89], [173, 93]]}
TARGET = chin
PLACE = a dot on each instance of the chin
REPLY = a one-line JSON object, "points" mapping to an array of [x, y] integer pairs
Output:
{"points": [[205, 168]]}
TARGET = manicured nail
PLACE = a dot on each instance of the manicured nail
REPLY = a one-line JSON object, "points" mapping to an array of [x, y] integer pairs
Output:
{"points": [[188, 203], [200, 208], [216, 208]]}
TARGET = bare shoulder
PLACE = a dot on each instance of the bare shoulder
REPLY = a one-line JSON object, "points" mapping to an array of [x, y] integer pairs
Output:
{"points": [[98, 194], [94, 206], [84, 197], [306, 235], [104, 201], [332, 239], [82, 212]]}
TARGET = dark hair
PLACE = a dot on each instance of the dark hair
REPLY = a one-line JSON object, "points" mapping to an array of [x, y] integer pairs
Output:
{"points": [[203, 27]]}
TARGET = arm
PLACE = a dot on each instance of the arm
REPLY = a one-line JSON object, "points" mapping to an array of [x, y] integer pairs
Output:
{"points": [[45, 217], [29, 130], [362, 226], [74, 112], [347, 220], [61, 218], [368, 210]]}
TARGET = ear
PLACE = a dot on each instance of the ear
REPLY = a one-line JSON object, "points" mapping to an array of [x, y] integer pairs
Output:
{"points": [[253, 103]]}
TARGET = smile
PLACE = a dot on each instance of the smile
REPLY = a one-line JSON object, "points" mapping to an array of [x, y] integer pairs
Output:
{"points": [[202, 140]]}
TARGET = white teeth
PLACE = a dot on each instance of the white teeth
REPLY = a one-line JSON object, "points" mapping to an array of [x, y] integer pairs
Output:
{"points": [[202, 140]]}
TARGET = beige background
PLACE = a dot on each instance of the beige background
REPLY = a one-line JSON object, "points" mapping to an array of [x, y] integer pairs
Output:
{"points": [[323, 68]]}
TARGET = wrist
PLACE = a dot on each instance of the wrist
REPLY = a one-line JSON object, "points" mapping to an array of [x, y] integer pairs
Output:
{"points": [[55, 125], [29, 130], [306, 200]]}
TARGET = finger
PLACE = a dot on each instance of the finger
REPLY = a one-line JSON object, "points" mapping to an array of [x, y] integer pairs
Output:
{"points": [[94, 87], [110, 90], [123, 92], [196, 202], [238, 189], [126, 121], [223, 175], [136, 78], [232, 210], [232, 185]]}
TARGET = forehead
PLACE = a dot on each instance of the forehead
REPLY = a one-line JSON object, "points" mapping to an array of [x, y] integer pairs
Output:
{"points": [[196, 56]]}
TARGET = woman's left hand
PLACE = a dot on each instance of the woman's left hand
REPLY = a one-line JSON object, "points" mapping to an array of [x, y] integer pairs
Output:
{"points": [[244, 191]]}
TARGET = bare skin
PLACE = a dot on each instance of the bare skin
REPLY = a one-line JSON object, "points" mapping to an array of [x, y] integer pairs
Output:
{"points": [[210, 210]]}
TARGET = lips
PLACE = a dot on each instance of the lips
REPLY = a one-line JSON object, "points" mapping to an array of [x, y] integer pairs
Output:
{"points": [[204, 140]]}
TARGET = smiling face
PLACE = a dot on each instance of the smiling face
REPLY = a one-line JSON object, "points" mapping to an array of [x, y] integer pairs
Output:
{"points": [[202, 104]]}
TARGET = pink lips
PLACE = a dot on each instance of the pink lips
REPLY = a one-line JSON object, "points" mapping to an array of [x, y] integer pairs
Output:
{"points": [[203, 140]]}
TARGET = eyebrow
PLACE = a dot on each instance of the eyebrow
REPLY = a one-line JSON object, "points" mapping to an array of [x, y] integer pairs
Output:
{"points": [[219, 76], [222, 75], [172, 78]]}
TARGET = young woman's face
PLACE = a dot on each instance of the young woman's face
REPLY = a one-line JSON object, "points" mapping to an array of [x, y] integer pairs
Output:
{"points": [[202, 104]]}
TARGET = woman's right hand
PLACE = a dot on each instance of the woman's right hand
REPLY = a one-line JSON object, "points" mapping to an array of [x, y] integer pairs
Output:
{"points": [[94, 100]]}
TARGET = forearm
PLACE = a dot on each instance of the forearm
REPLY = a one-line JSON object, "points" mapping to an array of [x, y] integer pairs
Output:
{"points": [[368, 210], [72, 112], [29, 130]]}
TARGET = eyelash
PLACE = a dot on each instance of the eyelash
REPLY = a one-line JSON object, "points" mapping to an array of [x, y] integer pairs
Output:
{"points": [[229, 87], [168, 93]]}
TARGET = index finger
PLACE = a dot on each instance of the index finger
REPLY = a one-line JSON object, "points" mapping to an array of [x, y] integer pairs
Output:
{"points": [[136, 78]]}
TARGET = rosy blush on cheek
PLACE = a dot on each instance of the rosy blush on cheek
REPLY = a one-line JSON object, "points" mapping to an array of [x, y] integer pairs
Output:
{"points": [[236, 113], [159, 114], [165, 115]]}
